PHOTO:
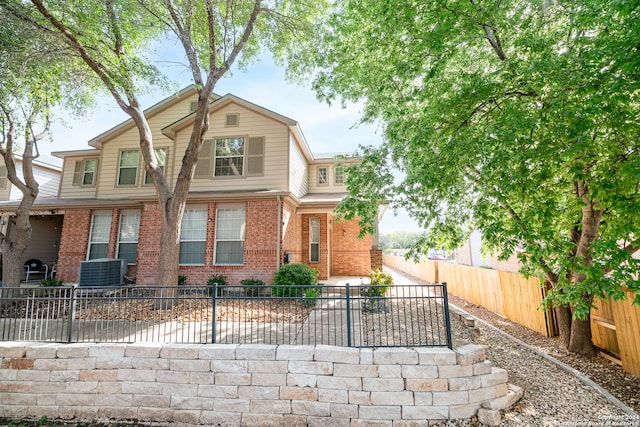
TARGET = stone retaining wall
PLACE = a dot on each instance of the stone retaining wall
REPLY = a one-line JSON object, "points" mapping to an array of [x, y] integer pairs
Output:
{"points": [[249, 385]]}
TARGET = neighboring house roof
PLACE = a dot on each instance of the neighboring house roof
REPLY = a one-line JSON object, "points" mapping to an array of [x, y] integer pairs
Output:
{"points": [[44, 161], [75, 153], [149, 112]]}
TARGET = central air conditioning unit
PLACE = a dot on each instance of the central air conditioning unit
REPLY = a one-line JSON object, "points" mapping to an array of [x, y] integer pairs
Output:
{"points": [[102, 272]]}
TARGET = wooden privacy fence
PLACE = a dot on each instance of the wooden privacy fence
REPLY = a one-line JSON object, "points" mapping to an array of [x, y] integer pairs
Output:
{"points": [[615, 325]]}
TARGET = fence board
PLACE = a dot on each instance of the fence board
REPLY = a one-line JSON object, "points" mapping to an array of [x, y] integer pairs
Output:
{"points": [[521, 301], [627, 319], [603, 327], [615, 325]]}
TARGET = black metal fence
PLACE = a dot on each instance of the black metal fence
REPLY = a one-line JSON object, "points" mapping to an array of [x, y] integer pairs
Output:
{"points": [[354, 316]]}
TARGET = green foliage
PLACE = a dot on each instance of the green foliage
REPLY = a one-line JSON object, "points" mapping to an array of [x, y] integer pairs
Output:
{"points": [[220, 280], [50, 282], [291, 280], [514, 118], [380, 283], [253, 287], [182, 280]]}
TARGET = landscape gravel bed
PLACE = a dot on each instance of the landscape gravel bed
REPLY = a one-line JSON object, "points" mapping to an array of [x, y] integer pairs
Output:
{"points": [[552, 397]]}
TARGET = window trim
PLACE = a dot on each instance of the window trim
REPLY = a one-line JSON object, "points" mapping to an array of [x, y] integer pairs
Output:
{"points": [[84, 172], [137, 241], [336, 174], [326, 176], [119, 168], [230, 206], [313, 220], [215, 156], [204, 209], [90, 242]]}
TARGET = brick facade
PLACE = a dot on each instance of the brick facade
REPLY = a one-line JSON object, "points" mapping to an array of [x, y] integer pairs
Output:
{"points": [[74, 241], [351, 256], [341, 252]]}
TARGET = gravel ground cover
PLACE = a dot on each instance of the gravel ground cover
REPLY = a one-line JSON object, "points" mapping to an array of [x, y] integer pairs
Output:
{"points": [[552, 397]]}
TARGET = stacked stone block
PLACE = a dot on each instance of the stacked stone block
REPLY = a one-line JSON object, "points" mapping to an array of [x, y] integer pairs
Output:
{"points": [[247, 384]]}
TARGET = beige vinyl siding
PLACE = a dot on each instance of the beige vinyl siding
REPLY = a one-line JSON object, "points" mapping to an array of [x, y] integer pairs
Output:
{"points": [[251, 124], [70, 191], [298, 171], [130, 140], [330, 186]]}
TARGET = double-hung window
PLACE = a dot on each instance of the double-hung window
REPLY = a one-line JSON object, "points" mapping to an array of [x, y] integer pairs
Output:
{"points": [[314, 239], [89, 172], [99, 235], [230, 232], [338, 175], [193, 236], [84, 172], [128, 167], [229, 160], [128, 236], [323, 178]]}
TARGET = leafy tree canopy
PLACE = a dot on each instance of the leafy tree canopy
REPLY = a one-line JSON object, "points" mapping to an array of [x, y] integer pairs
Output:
{"points": [[518, 118]]}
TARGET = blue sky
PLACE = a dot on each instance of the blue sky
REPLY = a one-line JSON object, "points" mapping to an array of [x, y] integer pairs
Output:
{"points": [[328, 129]]}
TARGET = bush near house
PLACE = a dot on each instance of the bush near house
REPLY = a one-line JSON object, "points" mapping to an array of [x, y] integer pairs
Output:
{"points": [[218, 279], [50, 282], [252, 287], [293, 280]]}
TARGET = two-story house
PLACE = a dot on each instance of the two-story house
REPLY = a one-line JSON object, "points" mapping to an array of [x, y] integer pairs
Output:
{"points": [[258, 199]]}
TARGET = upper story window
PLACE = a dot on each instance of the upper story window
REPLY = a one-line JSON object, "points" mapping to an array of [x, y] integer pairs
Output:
{"points": [[161, 155], [323, 178], [85, 172], [338, 175], [231, 157], [128, 167]]}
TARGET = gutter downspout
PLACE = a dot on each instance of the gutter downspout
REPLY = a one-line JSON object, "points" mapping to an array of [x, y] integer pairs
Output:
{"points": [[279, 228]]}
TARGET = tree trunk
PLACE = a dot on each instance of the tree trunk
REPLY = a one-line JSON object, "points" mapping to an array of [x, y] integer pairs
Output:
{"points": [[169, 248], [581, 337], [563, 319]]}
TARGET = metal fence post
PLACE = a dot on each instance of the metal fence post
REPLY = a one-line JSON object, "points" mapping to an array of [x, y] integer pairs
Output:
{"points": [[348, 304], [446, 314], [72, 315], [214, 304]]}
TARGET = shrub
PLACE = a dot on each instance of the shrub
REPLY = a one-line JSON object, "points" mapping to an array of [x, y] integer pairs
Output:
{"points": [[182, 280], [50, 282], [252, 287], [220, 280], [292, 280], [380, 282]]}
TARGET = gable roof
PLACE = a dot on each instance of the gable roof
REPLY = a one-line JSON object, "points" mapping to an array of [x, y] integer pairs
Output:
{"points": [[149, 112], [221, 102]]}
